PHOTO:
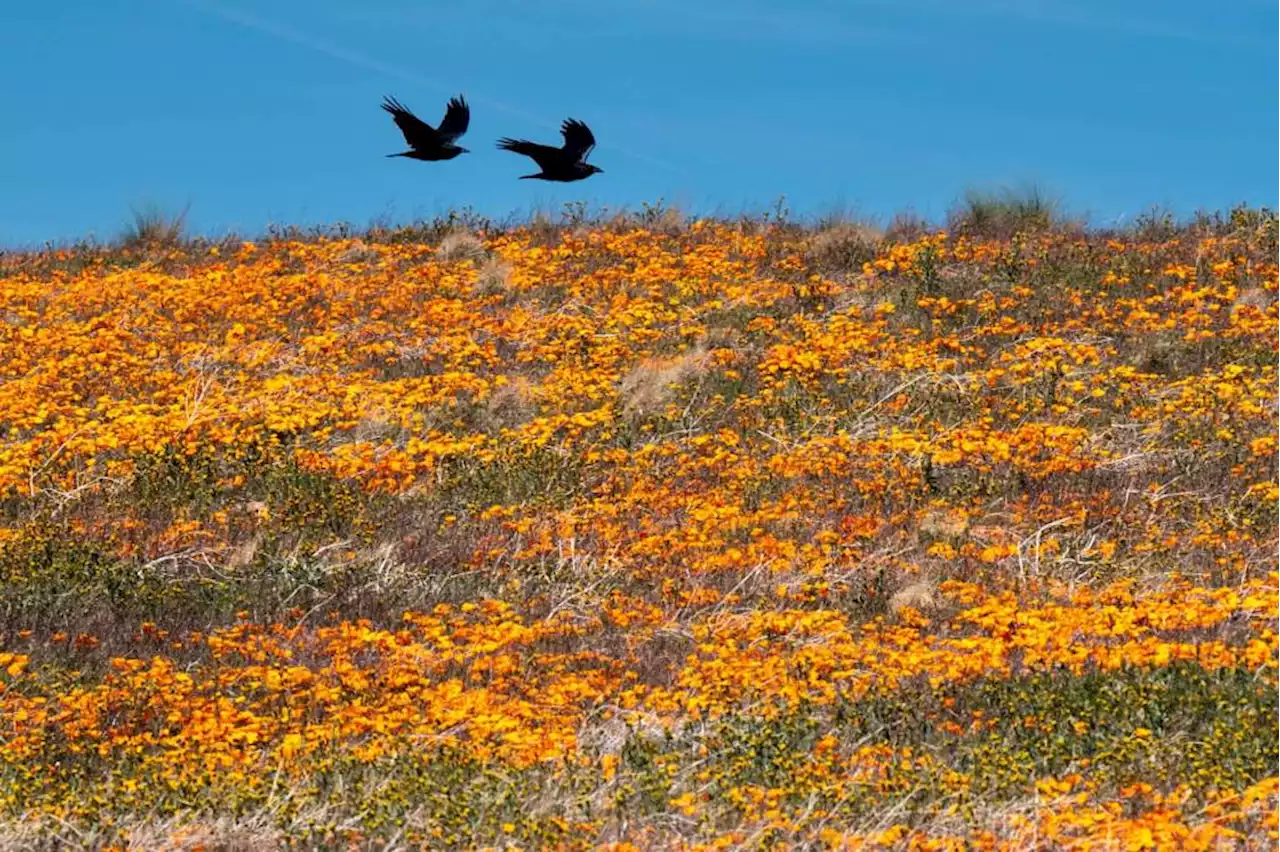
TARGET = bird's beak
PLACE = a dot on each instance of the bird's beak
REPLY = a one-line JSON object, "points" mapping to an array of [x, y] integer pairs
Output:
{"points": [[465, 150]]}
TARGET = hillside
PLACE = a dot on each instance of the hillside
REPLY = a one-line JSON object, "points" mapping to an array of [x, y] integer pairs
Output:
{"points": [[647, 533]]}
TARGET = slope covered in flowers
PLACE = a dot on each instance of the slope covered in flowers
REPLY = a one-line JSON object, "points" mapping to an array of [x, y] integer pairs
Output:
{"points": [[643, 537]]}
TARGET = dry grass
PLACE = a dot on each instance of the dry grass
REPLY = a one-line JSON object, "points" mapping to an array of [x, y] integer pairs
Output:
{"points": [[358, 253], [512, 403], [461, 245], [492, 277], [843, 248], [1256, 297], [617, 544], [922, 597], [943, 524], [648, 388], [257, 831]]}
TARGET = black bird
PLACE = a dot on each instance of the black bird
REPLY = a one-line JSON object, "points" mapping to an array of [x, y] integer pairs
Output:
{"points": [[427, 142], [566, 163]]}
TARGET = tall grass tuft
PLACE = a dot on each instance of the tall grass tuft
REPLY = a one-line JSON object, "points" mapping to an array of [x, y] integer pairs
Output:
{"points": [[153, 228], [1003, 213]]}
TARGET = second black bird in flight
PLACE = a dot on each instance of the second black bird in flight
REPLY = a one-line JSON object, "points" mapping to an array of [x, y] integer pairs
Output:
{"points": [[566, 163], [563, 164]]}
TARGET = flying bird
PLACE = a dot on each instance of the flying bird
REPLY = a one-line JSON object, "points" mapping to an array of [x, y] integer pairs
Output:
{"points": [[427, 142], [566, 163]]}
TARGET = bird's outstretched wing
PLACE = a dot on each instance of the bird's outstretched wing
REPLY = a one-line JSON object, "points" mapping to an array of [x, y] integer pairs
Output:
{"points": [[578, 140], [456, 118], [544, 155], [416, 132]]}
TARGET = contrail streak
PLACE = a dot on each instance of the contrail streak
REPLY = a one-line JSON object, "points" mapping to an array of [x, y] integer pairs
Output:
{"points": [[351, 57]]}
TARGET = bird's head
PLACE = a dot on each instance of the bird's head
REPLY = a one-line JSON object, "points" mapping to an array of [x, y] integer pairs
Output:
{"points": [[594, 170]]}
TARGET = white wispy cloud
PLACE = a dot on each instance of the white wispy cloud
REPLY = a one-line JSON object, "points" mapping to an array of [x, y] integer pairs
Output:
{"points": [[763, 23], [1111, 17], [355, 58]]}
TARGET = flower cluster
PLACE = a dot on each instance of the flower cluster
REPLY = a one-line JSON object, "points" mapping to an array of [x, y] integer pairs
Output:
{"points": [[633, 538]]}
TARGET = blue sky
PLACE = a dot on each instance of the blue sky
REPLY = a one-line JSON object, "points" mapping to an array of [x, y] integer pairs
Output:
{"points": [[260, 111]]}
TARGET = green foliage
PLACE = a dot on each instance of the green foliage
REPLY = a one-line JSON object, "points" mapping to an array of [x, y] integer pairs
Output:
{"points": [[1160, 725], [52, 578], [152, 228], [311, 507], [1003, 213], [539, 475]]}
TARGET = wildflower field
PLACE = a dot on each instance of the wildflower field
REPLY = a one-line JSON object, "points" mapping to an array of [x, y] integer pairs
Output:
{"points": [[642, 534]]}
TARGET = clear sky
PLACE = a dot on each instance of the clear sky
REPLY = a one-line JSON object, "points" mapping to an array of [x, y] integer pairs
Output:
{"points": [[259, 111]]}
